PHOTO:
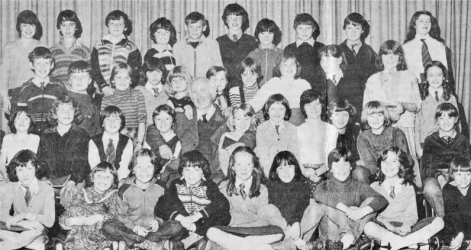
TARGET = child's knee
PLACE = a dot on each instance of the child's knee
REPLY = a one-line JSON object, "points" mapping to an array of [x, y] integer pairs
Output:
{"points": [[369, 228], [432, 187], [213, 233]]}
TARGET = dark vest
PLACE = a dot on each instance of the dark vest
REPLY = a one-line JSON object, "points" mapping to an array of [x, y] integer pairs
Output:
{"points": [[122, 142]]}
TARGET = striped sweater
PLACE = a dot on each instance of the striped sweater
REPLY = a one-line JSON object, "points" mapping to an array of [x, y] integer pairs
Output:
{"points": [[166, 56], [106, 55], [38, 101], [131, 102], [64, 57]]}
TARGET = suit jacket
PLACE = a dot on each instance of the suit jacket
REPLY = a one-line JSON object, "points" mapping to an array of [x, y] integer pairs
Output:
{"points": [[187, 131]]}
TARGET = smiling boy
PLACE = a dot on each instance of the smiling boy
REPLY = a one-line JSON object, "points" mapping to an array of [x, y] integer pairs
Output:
{"points": [[38, 93]]}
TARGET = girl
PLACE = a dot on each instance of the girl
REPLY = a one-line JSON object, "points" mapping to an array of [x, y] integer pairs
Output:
{"points": [[130, 101], [164, 120], [69, 49], [235, 45], [111, 146], [434, 91], [275, 134], [243, 125], [21, 124], [251, 213], [164, 36], [32, 203], [288, 191], [377, 135], [395, 182], [153, 76], [316, 138], [341, 114], [250, 74], [457, 198], [136, 224], [194, 200], [340, 85], [268, 36], [218, 76], [115, 48], [179, 80], [396, 88], [16, 69], [424, 35], [89, 208], [285, 81]]}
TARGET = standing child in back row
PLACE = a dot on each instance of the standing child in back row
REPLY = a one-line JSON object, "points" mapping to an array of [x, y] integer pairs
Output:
{"points": [[235, 45], [164, 35], [306, 48], [197, 52]]}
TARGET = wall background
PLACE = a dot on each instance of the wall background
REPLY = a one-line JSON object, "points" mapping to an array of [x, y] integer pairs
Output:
{"points": [[389, 19]]}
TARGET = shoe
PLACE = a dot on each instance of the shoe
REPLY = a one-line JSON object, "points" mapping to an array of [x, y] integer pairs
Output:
{"points": [[434, 243], [333, 245], [363, 243]]}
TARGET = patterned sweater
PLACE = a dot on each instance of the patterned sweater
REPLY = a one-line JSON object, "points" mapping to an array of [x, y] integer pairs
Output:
{"points": [[266, 58], [166, 56], [131, 102], [106, 55], [64, 57]]}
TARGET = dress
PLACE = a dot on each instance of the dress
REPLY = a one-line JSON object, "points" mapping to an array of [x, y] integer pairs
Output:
{"points": [[88, 202]]}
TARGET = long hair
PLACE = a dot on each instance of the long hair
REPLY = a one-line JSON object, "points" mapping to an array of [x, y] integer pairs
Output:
{"points": [[257, 173], [102, 167], [446, 86], [29, 17], [406, 170], [434, 30], [391, 47], [20, 160], [281, 159], [152, 64], [52, 118], [142, 153], [69, 15]]}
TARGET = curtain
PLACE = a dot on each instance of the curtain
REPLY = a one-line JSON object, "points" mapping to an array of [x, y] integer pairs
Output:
{"points": [[389, 19]]}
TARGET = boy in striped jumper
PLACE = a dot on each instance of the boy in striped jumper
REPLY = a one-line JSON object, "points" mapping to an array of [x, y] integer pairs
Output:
{"points": [[115, 48], [39, 92]]}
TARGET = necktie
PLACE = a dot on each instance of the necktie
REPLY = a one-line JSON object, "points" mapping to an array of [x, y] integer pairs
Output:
{"points": [[447, 139], [392, 194], [425, 53], [156, 91], [242, 191], [235, 38], [436, 96], [218, 98], [204, 118], [353, 49], [27, 196], [110, 152], [277, 127]]}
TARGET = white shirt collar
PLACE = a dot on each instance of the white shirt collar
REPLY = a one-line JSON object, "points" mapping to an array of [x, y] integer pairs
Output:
{"points": [[247, 184], [338, 75], [432, 92], [151, 87], [311, 42], [397, 186], [231, 34], [281, 127], [209, 113], [156, 47], [108, 37], [33, 186], [419, 37], [107, 137]]}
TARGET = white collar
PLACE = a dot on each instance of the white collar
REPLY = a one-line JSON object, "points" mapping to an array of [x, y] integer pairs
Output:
{"points": [[432, 92], [247, 184], [108, 37], [282, 125], [209, 113], [420, 37], [156, 47], [349, 44], [239, 34], [151, 87], [33, 186], [107, 137], [311, 42], [335, 77], [397, 186]]}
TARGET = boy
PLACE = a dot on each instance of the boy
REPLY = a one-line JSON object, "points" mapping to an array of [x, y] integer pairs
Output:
{"points": [[439, 150], [115, 48], [306, 49], [79, 80], [111, 145], [69, 49], [197, 52], [136, 224], [343, 206], [359, 57], [38, 93], [235, 45]]}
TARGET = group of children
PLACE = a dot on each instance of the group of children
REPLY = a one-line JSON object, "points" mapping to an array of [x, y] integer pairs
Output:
{"points": [[289, 142]]}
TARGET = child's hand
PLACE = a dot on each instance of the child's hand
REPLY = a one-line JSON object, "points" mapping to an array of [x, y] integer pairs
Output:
{"points": [[108, 91], [188, 112], [355, 213], [165, 152], [186, 222], [14, 220], [33, 225], [293, 232], [69, 189], [154, 225], [137, 147], [140, 231], [404, 230], [441, 180], [179, 110], [91, 220], [457, 242]]}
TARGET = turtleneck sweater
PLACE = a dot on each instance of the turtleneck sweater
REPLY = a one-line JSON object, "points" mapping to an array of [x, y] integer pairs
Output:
{"points": [[348, 192], [132, 104]]}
